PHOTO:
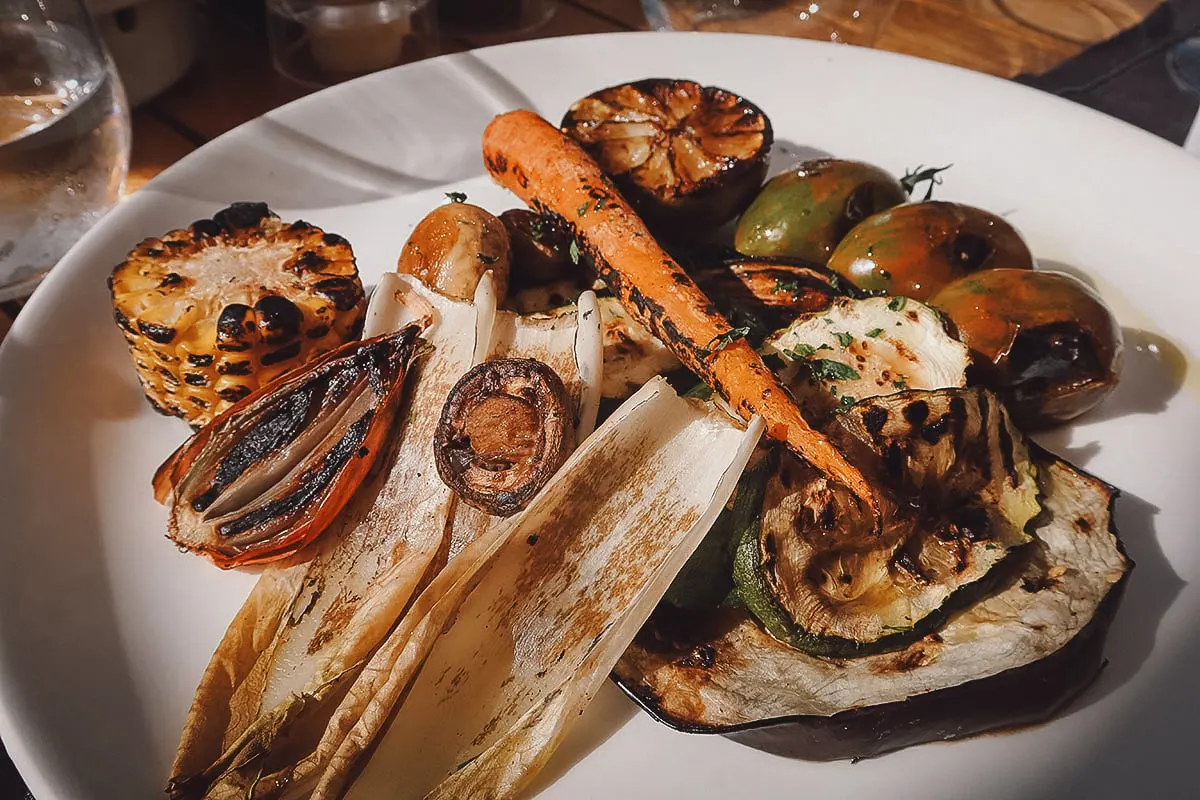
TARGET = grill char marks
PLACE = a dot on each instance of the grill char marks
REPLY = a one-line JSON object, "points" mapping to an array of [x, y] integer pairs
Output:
{"points": [[269, 475]]}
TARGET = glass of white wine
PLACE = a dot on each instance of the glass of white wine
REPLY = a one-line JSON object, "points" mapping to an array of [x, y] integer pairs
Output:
{"points": [[64, 136]]}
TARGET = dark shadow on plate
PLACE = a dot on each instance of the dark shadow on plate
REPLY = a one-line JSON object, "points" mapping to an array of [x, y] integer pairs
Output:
{"points": [[504, 94], [1154, 372], [1152, 588], [1055, 441], [1149, 750], [59, 625], [608, 712], [786, 154]]}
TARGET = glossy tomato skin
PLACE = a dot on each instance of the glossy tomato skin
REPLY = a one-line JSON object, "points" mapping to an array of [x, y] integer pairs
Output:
{"points": [[805, 212], [1045, 341], [916, 249]]}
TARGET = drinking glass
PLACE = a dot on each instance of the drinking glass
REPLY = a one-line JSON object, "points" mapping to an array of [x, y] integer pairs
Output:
{"points": [[321, 42], [64, 136], [857, 22]]}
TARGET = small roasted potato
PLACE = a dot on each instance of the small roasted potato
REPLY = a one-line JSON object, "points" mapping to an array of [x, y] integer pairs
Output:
{"points": [[451, 248]]}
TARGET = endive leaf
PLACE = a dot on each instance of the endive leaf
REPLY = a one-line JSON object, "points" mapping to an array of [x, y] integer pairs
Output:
{"points": [[508, 643], [269, 691], [307, 630], [569, 341]]}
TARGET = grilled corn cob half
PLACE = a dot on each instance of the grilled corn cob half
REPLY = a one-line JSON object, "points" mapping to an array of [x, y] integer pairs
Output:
{"points": [[216, 310]]}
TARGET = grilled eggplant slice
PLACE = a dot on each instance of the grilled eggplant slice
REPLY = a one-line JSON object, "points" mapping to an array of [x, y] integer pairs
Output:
{"points": [[214, 311], [268, 475], [1016, 657]]}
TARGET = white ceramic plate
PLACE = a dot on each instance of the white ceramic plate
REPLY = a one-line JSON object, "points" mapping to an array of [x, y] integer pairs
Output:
{"points": [[105, 628]]}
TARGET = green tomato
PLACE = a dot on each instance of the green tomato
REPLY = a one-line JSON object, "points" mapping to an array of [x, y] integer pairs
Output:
{"points": [[805, 213]]}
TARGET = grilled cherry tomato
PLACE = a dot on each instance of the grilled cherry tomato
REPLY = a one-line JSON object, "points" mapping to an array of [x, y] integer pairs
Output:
{"points": [[1045, 340], [685, 156], [805, 212], [916, 249]]}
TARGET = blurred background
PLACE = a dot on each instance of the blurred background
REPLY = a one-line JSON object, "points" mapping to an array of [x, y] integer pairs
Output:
{"points": [[193, 69]]}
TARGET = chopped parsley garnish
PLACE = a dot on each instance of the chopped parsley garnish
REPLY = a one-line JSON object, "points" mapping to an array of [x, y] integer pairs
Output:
{"points": [[701, 391], [723, 340], [900, 383], [601, 202], [537, 229], [874, 332], [844, 339], [828, 370], [803, 351], [583, 209], [824, 347], [789, 287], [897, 303], [456, 197], [485, 258], [573, 252]]}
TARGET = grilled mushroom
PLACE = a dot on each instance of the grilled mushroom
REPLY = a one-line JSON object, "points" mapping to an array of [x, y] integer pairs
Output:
{"points": [[505, 428], [686, 156], [215, 311]]}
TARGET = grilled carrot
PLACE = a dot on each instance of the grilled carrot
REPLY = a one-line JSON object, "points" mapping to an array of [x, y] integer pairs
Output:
{"points": [[551, 173]]}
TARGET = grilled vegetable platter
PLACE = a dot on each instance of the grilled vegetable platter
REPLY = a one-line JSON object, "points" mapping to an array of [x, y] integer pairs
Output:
{"points": [[758, 449]]}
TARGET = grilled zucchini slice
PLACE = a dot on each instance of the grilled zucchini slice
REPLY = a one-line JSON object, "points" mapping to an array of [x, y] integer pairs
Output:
{"points": [[214, 311], [962, 490]]}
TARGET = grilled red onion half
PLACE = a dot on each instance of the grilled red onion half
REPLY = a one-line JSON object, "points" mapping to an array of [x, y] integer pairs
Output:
{"points": [[267, 476]]}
